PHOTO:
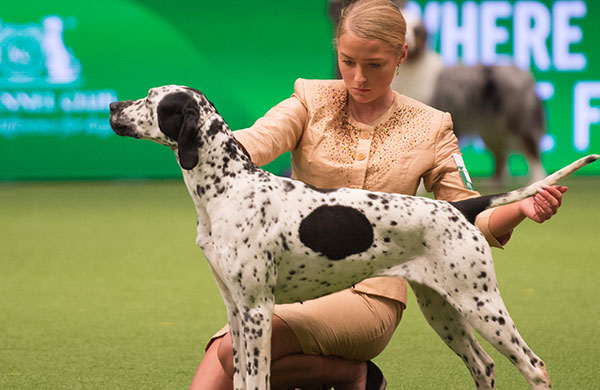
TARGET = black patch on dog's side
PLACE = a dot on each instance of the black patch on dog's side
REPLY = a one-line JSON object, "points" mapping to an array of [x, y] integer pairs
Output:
{"points": [[336, 231]]}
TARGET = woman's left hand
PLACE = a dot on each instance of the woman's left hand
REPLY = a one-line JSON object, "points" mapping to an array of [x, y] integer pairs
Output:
{"points": [[543, 205]]}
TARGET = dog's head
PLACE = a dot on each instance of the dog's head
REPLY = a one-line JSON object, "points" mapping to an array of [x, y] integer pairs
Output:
{"points": [[416, 36], [170, 115]]}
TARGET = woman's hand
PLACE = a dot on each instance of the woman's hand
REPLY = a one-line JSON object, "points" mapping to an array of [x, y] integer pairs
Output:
{"points": [[543, 205]]}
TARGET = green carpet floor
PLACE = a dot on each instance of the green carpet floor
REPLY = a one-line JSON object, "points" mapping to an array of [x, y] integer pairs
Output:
{"points": [[102, 287]]}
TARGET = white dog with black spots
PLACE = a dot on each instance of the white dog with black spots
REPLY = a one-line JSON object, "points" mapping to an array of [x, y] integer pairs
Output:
{"points": [[272, 240]]}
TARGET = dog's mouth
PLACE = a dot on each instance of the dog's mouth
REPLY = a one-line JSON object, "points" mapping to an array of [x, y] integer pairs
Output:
{"points": [[123, 130], [120, 125]]}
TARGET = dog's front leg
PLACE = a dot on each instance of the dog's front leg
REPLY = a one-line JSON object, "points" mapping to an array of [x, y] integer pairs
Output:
{"points": [[250, 317], [235, 325], [255, 354], [235, 329]]}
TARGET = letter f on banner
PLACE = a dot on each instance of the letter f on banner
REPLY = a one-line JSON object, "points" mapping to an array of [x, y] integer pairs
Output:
{"points": [[584, 114]]}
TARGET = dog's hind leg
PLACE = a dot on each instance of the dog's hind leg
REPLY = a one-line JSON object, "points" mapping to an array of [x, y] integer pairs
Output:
{"points": [[487, 313], [457, 334]]}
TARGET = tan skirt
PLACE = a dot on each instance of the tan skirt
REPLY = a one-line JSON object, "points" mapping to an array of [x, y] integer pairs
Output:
{"points": [[348, 323]]}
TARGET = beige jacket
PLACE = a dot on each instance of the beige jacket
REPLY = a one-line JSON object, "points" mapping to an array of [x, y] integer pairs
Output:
{"points": [[330, 149]]}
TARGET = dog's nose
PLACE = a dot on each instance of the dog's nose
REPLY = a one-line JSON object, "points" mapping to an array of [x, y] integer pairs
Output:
{"points": [[114, 106]]}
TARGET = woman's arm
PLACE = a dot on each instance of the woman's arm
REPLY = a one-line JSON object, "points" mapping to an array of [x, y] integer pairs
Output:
{"points": [[496, 224], [538, 208], [279, 130]]}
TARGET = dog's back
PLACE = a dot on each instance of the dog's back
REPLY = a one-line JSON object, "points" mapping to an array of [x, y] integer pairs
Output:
{"points": [[490, 98]]}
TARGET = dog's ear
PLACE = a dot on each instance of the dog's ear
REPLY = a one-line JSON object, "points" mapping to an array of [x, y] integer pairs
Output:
{"points": [[187, 143], [170, 114], [178, 119]]}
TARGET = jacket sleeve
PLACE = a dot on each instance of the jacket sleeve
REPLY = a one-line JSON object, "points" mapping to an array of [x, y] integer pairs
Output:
{"points": [[278, 131], [445, 180]]}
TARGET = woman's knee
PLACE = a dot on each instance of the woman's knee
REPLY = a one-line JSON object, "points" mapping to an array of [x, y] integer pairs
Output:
{"points": [[283, 342], [225, 353], [210, 374]]}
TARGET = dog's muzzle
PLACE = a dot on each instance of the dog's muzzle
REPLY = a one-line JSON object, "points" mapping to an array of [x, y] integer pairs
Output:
{"points": [[120, 125]]}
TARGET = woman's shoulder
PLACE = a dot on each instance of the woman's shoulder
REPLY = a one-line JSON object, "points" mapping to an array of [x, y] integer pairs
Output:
{"points": [[317, 83], [404, 100], [421, 116], [317, 93]]}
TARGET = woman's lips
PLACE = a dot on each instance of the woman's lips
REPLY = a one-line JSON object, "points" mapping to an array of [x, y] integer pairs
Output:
{"points": [[361, 90]]}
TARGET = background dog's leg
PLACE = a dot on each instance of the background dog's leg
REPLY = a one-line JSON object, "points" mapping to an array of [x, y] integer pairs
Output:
{"points": [[499, 148], [457, 334], [532, 153]]}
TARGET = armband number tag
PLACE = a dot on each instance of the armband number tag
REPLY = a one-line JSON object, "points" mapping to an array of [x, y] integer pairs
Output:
{"points": [[462, 169]]}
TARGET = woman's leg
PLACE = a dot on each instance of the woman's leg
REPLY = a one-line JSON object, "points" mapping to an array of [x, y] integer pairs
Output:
{"points": [[290, 367], [210, 374], [301, 370], [345, 316]]}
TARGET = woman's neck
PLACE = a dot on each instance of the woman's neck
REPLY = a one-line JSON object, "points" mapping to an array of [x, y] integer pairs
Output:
{"points": [[369, 112]]}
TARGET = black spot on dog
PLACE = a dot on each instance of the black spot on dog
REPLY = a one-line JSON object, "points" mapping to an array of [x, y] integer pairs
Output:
{"points": [[488, 369], [289, 186], [336, 231], [215, 128], [284, 243]]}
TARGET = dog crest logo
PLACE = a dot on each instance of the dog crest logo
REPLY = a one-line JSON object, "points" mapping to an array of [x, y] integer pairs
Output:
{"points": [[36, 55], [42, 87]]}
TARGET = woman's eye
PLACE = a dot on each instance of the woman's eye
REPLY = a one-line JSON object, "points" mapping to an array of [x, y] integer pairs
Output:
{"points": [[374, 65], [347, 62]]}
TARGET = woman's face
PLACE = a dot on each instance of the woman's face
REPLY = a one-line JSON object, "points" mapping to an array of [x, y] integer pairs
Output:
{"points": [[367, 66]]}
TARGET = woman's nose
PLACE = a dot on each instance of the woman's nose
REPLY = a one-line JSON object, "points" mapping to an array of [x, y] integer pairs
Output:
{"points": [[359, 75]]}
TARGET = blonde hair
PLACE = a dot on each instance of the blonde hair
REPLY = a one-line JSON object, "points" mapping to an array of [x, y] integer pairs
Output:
{"points": [[374, 19]]}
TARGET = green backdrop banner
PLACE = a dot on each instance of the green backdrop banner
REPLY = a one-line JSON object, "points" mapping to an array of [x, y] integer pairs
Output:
{"points": [[555, 40], [62, 62]]}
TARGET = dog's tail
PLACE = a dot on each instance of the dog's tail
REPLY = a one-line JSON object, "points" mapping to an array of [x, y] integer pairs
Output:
{"points": [[472, 207]]}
